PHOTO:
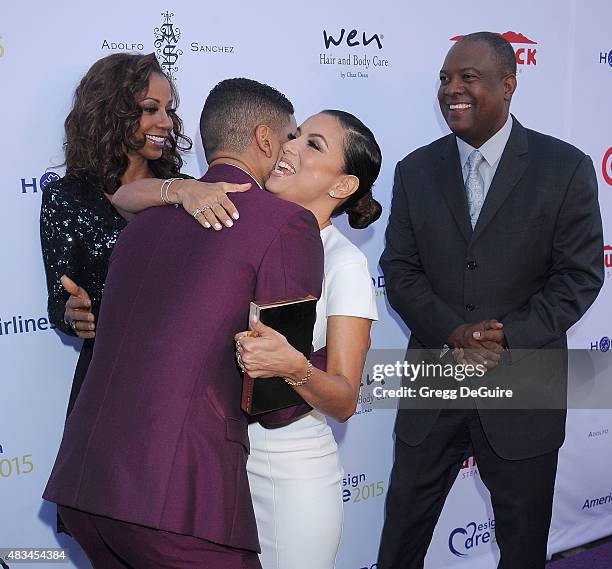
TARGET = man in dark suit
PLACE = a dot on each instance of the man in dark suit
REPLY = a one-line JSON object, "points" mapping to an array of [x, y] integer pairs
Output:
{"points": [[151, 472], [494, 247]]}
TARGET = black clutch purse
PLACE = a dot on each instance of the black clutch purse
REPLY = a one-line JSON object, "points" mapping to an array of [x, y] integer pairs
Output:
{"points": [[295, 320]]}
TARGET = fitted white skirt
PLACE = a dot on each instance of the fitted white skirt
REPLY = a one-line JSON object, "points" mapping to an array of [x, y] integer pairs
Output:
{"points": [[296, 485]]}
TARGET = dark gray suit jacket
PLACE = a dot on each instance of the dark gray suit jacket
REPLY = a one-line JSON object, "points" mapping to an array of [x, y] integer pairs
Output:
{"points": [[534, 261]]}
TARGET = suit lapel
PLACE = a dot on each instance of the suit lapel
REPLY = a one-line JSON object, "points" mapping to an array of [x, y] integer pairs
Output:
{"points": [[511, 168], [450, 182]]}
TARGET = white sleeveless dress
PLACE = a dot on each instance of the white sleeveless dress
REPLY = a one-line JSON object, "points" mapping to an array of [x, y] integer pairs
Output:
{"points": [[294, 471]]}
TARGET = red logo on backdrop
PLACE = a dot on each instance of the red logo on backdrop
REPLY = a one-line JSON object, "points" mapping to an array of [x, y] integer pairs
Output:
{"points": [[606, 166], [524, 55], [469, 462]]}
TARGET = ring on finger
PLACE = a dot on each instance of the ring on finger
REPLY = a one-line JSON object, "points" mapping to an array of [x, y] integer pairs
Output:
{"points": [[199, 211], [239, 360]]}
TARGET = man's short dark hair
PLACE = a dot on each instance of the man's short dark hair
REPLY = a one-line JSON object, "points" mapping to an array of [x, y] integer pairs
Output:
{"points": [[502, 48], [234, 108]]}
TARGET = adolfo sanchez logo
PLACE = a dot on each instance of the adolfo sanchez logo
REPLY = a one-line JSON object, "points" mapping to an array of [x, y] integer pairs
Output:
{"points": [[167, 36], [167, 44]]}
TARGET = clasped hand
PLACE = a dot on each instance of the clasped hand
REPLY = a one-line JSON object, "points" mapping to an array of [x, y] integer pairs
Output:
{"points": [[478, 343]]}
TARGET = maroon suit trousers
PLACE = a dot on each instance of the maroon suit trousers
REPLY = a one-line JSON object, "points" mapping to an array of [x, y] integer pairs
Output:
{"points": [[112, 544]]}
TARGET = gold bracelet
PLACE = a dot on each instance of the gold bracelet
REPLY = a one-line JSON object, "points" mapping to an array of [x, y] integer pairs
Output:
{"points": [[302, 381]]}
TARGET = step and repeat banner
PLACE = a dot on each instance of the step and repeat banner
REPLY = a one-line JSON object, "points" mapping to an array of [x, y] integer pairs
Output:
{"points": [[378, 60]]}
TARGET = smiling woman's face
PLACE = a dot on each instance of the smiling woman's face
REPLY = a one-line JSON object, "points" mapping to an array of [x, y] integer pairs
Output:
{"points": [[311, 163], [155, 123]]}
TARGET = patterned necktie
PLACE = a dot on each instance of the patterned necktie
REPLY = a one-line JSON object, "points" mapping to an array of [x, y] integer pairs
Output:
{"points": [[474, 186]]}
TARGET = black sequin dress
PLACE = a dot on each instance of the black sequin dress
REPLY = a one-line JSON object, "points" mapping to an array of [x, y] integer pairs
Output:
{"points": [[78, 230]]}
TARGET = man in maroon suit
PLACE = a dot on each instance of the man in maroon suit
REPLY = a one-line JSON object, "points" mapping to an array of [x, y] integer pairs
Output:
{"points": [[151, 470]]}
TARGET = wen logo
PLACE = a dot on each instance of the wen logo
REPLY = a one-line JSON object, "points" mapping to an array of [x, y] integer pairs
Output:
{"points": [[352, 39]]}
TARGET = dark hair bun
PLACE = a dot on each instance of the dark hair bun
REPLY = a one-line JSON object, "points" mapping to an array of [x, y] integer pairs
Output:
{"points": [[362, 158], [364, 212]]}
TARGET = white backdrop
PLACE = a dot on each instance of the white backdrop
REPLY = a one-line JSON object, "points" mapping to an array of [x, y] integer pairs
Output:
{"points": [[389, 79]]}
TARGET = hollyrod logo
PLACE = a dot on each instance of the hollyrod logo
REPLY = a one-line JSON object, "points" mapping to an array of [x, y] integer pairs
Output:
{"points": [[601, 345], [463, 541], [605, 58], [166, 45], [606, 166], [524, 55], [379, 285], [32, 185]]}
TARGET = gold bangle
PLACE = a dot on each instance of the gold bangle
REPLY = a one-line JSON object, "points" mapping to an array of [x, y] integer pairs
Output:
{"points": [[302, 381]]}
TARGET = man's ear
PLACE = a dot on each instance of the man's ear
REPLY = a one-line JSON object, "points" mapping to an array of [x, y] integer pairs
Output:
{"points": [[263, 139], [509, 86], [345, 187]]}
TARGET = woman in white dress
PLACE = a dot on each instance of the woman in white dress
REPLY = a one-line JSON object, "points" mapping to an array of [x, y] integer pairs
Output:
{"points": [[294, 471], [295, 475]]}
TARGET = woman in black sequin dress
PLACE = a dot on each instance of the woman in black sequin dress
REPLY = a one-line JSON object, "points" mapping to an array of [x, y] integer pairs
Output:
{"points": [[122, 127]]}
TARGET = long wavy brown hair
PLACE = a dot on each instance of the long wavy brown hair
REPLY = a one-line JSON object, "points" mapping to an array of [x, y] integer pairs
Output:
{"points": [[105, 116]]}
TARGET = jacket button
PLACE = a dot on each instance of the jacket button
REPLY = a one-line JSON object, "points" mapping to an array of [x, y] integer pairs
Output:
{"points": [[469, 307], [471, 265]]}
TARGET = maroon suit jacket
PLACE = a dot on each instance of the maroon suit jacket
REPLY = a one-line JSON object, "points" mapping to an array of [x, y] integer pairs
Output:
{"points": [[157, 437]]}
